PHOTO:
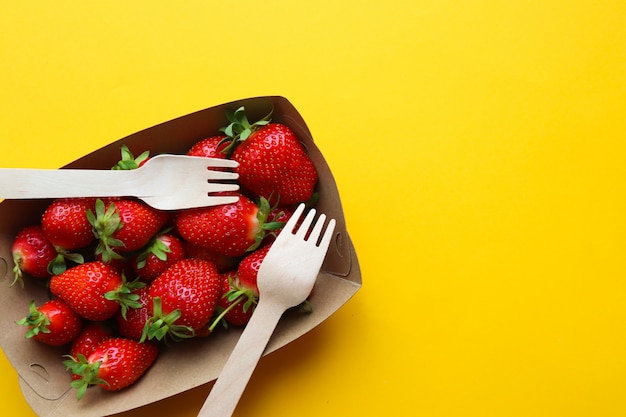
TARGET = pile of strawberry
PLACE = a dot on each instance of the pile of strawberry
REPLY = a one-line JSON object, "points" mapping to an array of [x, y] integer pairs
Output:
{"points": [[126, 280]]}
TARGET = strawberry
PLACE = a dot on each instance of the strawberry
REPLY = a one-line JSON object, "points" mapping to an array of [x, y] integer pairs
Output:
{"points": [[119, 262], [237, 302], [66, 225], [230, 229], [92, 334], [248, 269], [124, 225], [115, 364], [224, 263], [279, 214], [133, 324], [211, 147], [129, 161], [272, 161], [53, 323], [32, 253], [162, 252], [95, 290], [182, 299]]}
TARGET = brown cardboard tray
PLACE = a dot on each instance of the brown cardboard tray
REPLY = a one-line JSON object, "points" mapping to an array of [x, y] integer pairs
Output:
{"points": [[42, 376]]}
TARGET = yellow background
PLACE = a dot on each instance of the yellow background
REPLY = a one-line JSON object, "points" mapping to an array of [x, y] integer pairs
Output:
{"points": [[480, 152]]}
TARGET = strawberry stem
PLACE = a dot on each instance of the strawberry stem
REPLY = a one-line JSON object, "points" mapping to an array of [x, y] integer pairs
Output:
{"points": [[105, 222], [88, 373], [58, 265], [220, 317], [37, 321], [129, 161], [162, 326], [155, 247], [265, 227], [235, 296], [125, 296], [239, 128], [17, 270]]}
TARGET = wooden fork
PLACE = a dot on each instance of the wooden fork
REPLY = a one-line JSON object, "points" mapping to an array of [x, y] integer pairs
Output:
{"points": [[285, 279], [166, 182]]}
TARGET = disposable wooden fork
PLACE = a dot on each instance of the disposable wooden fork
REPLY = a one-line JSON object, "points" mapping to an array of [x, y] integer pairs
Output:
{"points": [[166, 182], [285, 279]]}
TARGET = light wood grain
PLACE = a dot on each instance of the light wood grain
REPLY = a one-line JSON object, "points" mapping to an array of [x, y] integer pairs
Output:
{"points": [[166, 182]]}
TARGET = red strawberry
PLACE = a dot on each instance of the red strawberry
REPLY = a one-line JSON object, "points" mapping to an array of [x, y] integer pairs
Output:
{"points": [[229, 229], [183, 299], [89, 338], [95, 290], [237, 301], [272, 161], [119, 262], [164, 250], [135, 321], [115, 364], [248, 269], [211, 147], [224, 263], [66, 225], [124, 225], [32, 254], [279, 214], [53, 323], [129, 161]]}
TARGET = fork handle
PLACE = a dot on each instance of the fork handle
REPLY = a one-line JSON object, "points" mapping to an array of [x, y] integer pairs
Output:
{"points": [[52, 183], [233, 379]]}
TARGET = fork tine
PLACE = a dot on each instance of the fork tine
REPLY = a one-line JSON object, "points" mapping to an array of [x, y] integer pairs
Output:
{"points": [[317, 229], [220, 163], [221, 175], [328, 234], [304, 227], [215, 200], [293, 220], [216, 187]]}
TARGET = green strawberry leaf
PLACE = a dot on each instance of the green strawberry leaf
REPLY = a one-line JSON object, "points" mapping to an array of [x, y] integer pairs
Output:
{"points": [[129, 161], [88, 373], [240, 128], [37, 321], [105, 222], [125, 296], [163, 327]]}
